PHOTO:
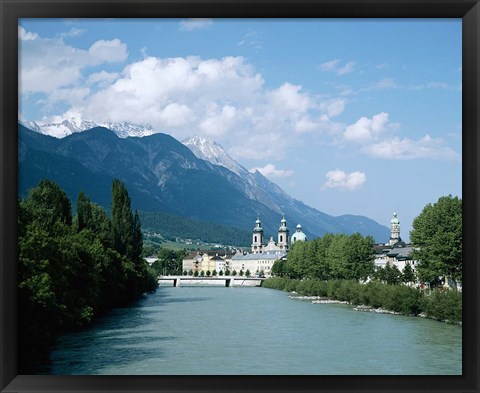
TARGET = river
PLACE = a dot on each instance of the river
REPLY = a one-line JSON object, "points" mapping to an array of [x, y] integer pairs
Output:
{"points": [[247, 331]]}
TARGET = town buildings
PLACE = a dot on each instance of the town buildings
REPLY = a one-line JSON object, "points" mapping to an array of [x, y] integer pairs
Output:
{"points": [[258, 262], [396, 252]]}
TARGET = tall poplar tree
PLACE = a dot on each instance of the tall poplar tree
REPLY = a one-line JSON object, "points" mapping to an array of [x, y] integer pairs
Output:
{"points": [[84, 212], [122, 218]]}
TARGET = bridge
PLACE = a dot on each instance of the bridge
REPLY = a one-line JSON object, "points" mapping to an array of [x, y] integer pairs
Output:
{"points": [[227, 281]]}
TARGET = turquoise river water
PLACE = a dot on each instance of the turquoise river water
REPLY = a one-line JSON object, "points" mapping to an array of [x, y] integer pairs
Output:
{"points": [[251, 330]]}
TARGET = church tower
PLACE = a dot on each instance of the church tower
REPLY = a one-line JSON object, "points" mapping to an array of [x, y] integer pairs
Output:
{"points": [[283, 237], [394, 230], [257, 237]]}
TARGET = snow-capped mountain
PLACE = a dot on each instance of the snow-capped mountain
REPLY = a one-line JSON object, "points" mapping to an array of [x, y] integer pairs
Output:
{"points": [[164, 175], [255, 185], [212, 152], [75, 124]]}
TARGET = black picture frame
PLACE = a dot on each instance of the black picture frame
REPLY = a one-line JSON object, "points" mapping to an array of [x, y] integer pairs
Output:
{"points": [[12, 10]]}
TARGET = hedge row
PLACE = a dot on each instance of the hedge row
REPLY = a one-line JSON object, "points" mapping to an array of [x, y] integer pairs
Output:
{"points": [[442, 305]]}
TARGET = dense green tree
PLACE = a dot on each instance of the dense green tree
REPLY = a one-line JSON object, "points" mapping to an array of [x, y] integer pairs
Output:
{"points": [[136, 243], [148, 250], [220, 273], [320, 268], [360, 257], [202, 274], [437, 240], [336, 257], [84, 212], [234, 273], [169, 262], [393, 275], [195, 274], [208, 273], [214, 273], [122, 218], [68, 270], [279, 268], [247, 273], [408, 275], [47, 204]]}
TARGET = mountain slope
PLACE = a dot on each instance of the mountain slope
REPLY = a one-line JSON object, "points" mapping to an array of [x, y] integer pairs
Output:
{"points": [[164, 175], [262, 190]]}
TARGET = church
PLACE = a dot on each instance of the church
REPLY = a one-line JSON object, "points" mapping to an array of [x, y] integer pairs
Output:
{"points": [[396, 252], [262, 256]]}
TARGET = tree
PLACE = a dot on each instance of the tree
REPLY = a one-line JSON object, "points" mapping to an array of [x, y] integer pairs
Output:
{"points": [[234, 273], [220, 273], [247, 273], [122, 218], [279, 268], [202, 274], [47, 204], [393, 275], [437, 240], [408, 275], [190, 272], [136, 242], [208, 273], [84, 212], [214, 273], [195, 274], [241, 272], [360, 257]]}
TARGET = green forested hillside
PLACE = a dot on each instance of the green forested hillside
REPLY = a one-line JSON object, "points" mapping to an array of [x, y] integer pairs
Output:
{"points": [[171, 226]]}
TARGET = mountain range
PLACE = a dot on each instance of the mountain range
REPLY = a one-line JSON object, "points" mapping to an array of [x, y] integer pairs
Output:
{"points": [[195, 179]]}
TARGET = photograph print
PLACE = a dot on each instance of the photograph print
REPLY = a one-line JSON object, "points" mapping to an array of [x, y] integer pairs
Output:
{"points": [[240, 197]]}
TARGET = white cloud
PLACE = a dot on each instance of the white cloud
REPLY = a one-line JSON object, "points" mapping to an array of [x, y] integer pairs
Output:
{"points": [[382, 66], [269, 170], [195, 24], [251, 40], [347, 181], [382, 84], [25, 35], [290, 97], [346, 69], [334, 66], [365, 129], [183, 96], [437, 85], [377, 140], [407, 149], [333, 107], [48, 64], [102, 77], [74, 32], [329, 65], [108, 51]]}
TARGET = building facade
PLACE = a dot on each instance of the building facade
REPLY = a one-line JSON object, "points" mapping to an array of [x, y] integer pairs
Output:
{"points": [[396, 252]]}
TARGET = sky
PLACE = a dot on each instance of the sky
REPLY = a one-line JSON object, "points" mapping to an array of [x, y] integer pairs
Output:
{"points": [[350, 116]]}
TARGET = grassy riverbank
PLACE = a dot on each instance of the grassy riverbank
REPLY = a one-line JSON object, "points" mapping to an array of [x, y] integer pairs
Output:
{"points": [[442, 305]]}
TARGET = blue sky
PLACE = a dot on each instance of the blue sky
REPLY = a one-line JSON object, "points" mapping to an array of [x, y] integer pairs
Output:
{"points": [[349, 116]]}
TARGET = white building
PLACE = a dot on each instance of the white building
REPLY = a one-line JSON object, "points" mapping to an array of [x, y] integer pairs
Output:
{"points": [[263, 256], [299, 236], [395, 252]]}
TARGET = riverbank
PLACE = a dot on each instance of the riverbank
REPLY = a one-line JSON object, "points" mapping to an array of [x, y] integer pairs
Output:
{"points": [[441, 305]]}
